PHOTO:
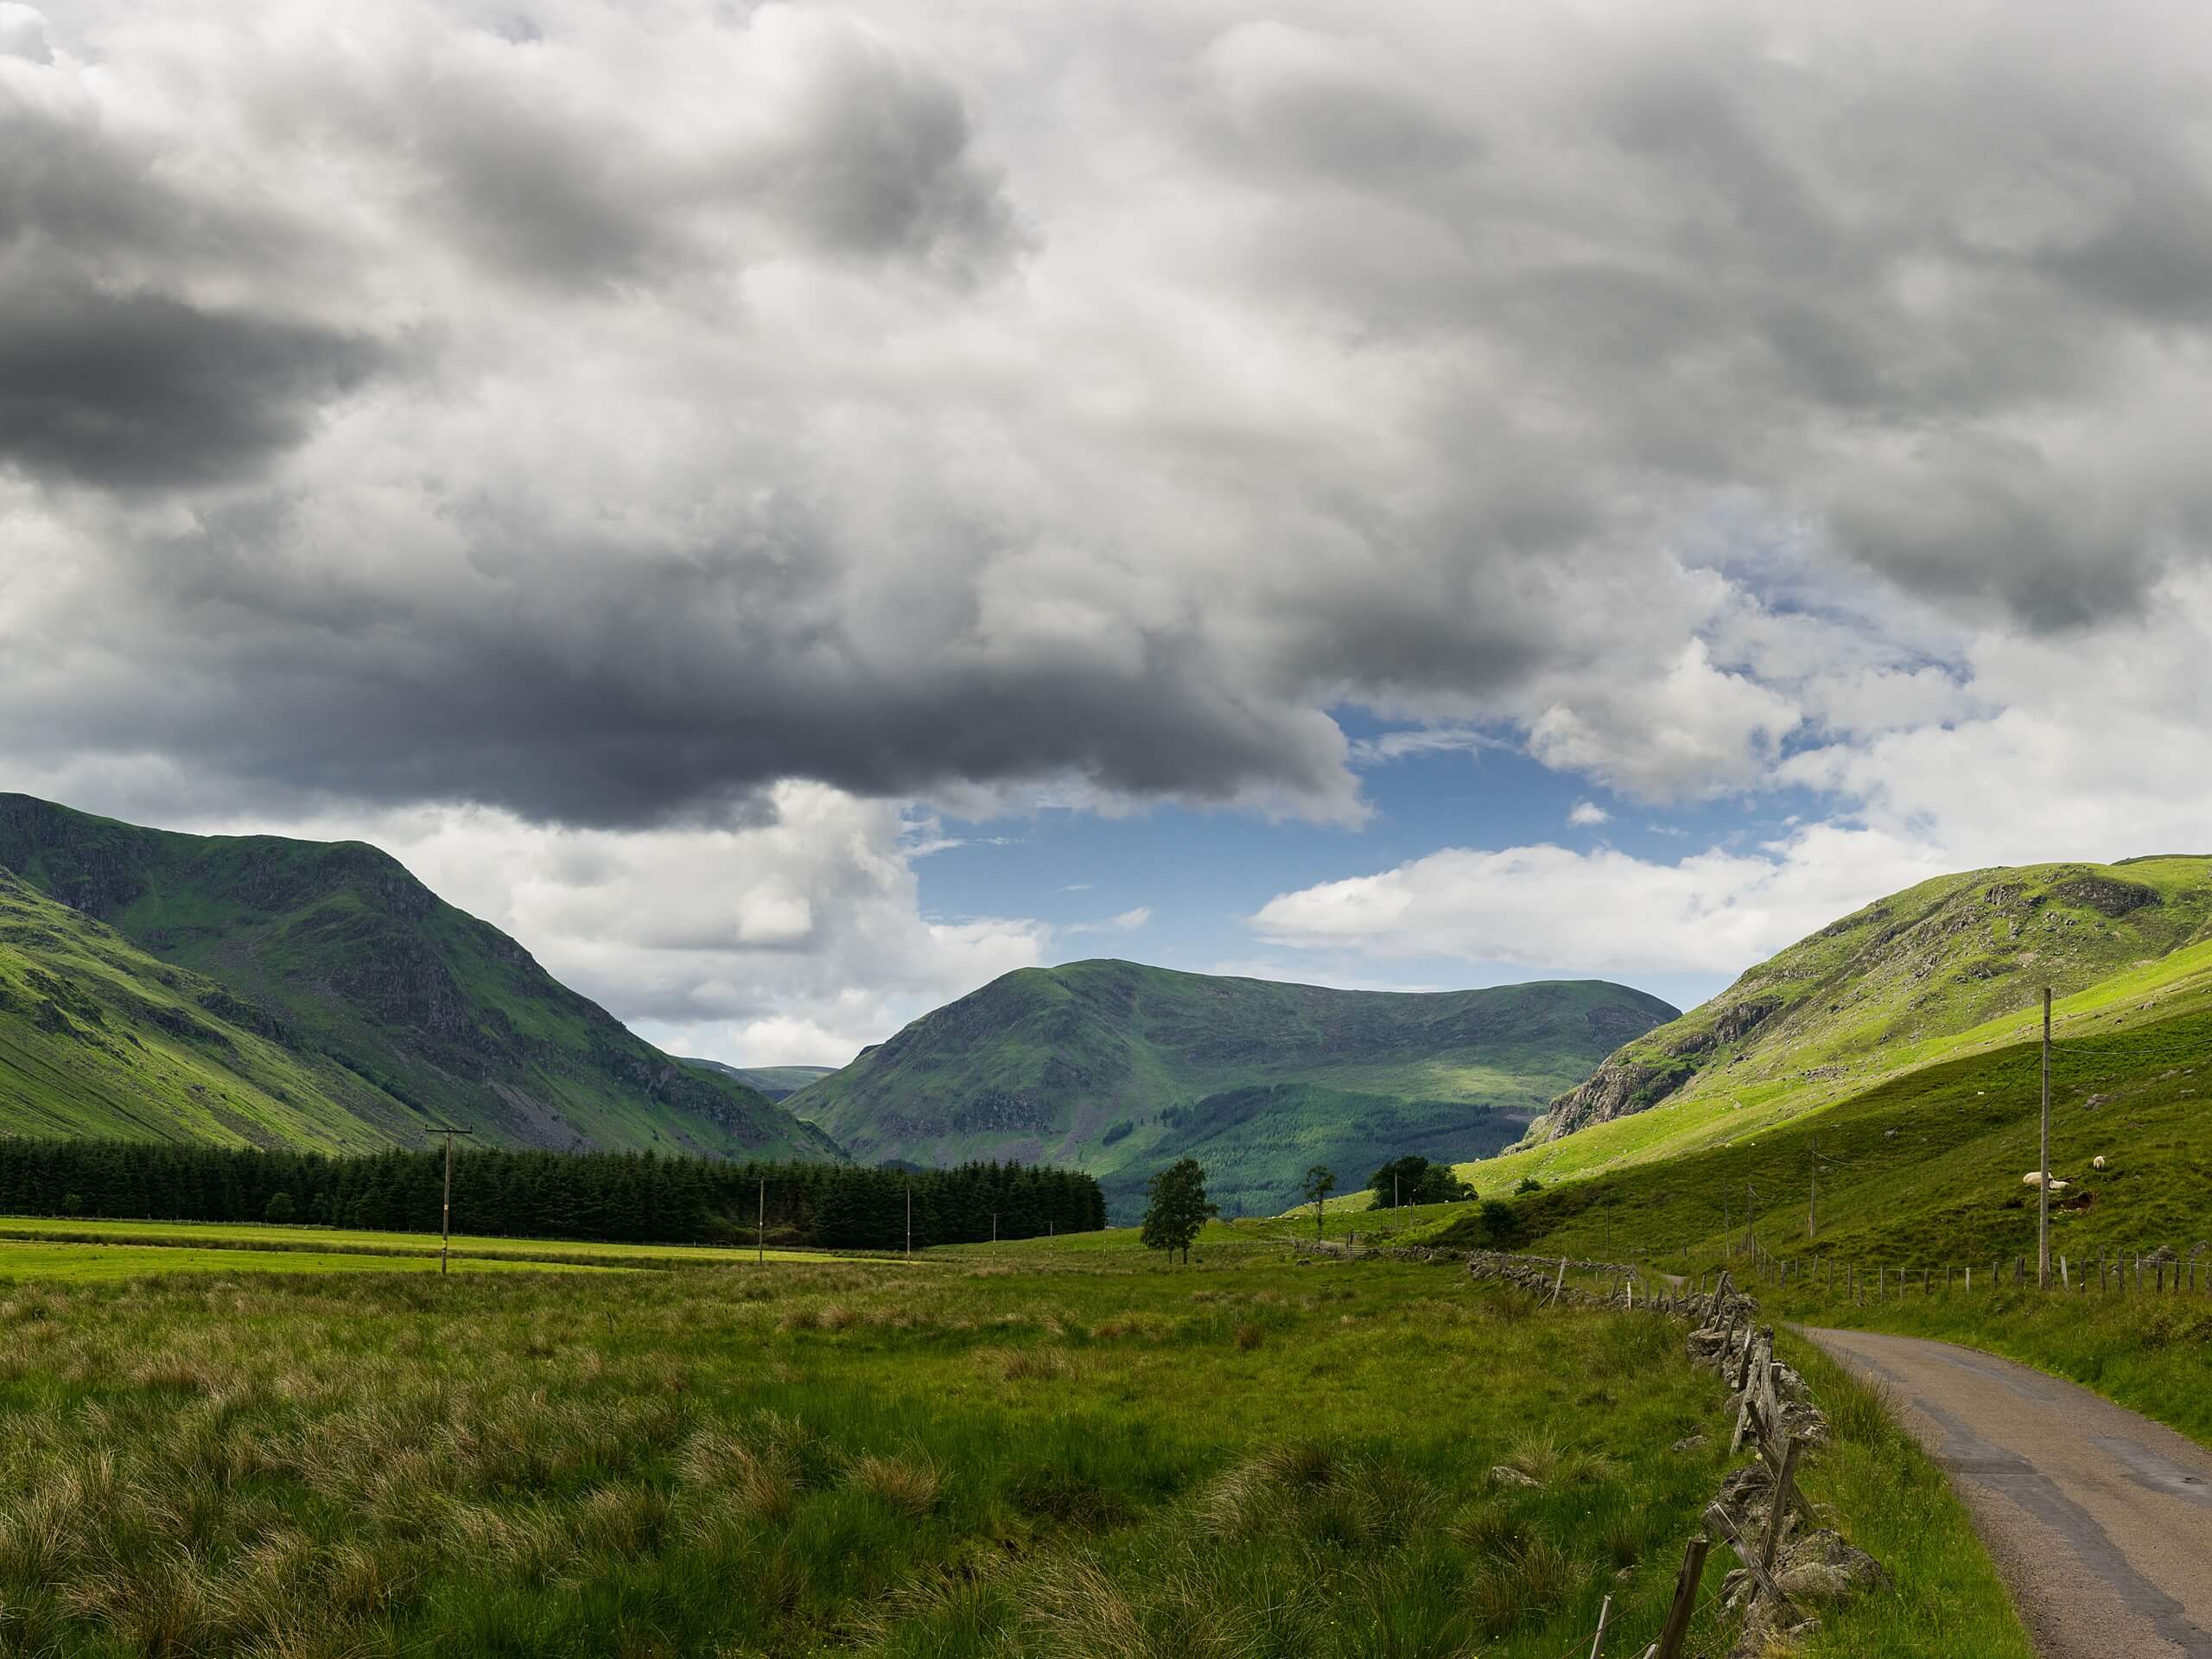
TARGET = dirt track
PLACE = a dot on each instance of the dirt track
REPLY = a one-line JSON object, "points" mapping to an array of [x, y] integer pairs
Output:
{"points": [[2099, 1520]]}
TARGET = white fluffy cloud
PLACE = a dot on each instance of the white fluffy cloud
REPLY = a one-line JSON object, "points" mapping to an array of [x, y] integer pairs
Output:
{"points": [[2093, 748], [1603, 912]]}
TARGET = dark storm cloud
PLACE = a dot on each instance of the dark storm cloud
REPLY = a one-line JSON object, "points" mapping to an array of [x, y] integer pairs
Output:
{"points": [[695, 691], [133, 391]]}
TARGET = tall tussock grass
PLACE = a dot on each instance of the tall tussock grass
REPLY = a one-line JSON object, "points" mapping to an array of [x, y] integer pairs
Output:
{"points": [[974, 1464]]}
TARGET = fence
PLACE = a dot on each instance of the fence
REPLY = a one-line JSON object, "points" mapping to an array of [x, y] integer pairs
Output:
{"points": [[1754, 1511], [2156, 1273]]}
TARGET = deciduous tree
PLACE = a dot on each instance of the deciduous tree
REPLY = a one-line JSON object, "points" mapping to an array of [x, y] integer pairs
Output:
{"points": [[1177, 1207]]}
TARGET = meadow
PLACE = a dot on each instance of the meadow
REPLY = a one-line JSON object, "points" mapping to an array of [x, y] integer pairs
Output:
{"points": [[357, 1241], [1072, 1451], [47, 1261]]}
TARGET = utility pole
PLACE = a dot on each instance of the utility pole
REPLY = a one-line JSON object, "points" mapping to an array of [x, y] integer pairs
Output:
{"points": [[2043, 1187], [1727, 1232], [1813, 1203], [445, 1212], [995, 1226], [760, 1226], [1750, 1228], [910, 1217], [1394, 1199]]}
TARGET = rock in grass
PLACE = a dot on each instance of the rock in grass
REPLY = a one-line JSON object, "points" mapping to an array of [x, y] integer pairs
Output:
{"points": [[1504, 1475]]}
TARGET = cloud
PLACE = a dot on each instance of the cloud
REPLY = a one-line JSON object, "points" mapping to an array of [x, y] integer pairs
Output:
{"points": [[609, 419], [23, 33], [1588, 815], [1605, 912], [1127, 922], [2059, 764], [137, 391], [1698, 729]]}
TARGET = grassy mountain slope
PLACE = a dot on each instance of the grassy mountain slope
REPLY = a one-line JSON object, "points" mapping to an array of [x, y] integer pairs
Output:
{"points": [[386, 1006], [99, 1039], [1120, 1068], [1923, 1168], [1947, 969], [776, 1081]]}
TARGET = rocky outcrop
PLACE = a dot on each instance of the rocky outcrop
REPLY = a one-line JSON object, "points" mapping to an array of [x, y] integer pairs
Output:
{"points": [[1618, 1089]]}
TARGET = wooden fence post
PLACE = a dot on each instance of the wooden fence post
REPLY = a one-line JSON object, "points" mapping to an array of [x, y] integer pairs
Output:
{"points": [[1669, 1645], [1718, 1518], [1598, 1642], [1783, 1476]]}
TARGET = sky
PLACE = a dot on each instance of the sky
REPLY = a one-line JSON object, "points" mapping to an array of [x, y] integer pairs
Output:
{"points": [[795, 510]]}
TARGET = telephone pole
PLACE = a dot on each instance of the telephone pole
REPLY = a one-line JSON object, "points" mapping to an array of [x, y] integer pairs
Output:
{"points": [[910, 1217], [760, 1226], [2043, 1187], [1813, 1203], [445, 1211]]}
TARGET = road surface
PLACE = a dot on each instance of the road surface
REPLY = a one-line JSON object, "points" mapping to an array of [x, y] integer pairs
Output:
{"points": [[2099, 1520]]}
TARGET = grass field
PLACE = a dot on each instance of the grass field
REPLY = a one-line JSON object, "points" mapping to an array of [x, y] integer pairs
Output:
{"points": [[1058, 1451], [216, 1237], [76, 1263]]}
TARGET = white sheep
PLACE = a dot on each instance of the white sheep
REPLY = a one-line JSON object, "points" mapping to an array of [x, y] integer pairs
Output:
{"points": [[2034, 1178], [2097, 1162]]}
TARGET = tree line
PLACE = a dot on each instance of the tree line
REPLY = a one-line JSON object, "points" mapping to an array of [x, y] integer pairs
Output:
{"points": [[626, 1197]]}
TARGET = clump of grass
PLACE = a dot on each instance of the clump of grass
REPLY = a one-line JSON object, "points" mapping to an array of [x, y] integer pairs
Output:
{"points": [[1028, 1364], [908, 1485], [1532, 1578], [623, 1519], [751, 1478], [1055, 1492], [1248, 1336], [1488, 1527], [1536, 1454]]}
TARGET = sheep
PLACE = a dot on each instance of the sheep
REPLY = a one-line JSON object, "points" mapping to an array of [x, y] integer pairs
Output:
{"points": [[2034, 1178], [2097, 1162]]}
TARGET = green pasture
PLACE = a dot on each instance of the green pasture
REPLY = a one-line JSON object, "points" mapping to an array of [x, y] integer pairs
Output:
{"points": [[47, 1262], [214, 1238], [1062, 1448]]}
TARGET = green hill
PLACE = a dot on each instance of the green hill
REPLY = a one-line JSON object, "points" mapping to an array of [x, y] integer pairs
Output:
{"points": [[1923, 1168], [1120, 1068], [256, 988], [776, 1081], [1951, 967]]}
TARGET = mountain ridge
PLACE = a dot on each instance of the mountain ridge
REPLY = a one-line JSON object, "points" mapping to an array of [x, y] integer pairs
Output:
{"points": [[393, 1007], [1117, 1067]]}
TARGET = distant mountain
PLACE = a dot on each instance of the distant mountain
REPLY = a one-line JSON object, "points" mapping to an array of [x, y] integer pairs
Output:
{"points": [[308, 993], [776, 1082], [1120, 1068], [1894, 986]]}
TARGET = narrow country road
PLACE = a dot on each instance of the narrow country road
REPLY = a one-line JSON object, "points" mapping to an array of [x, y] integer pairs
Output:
{"points": [[2099, 1520]]}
